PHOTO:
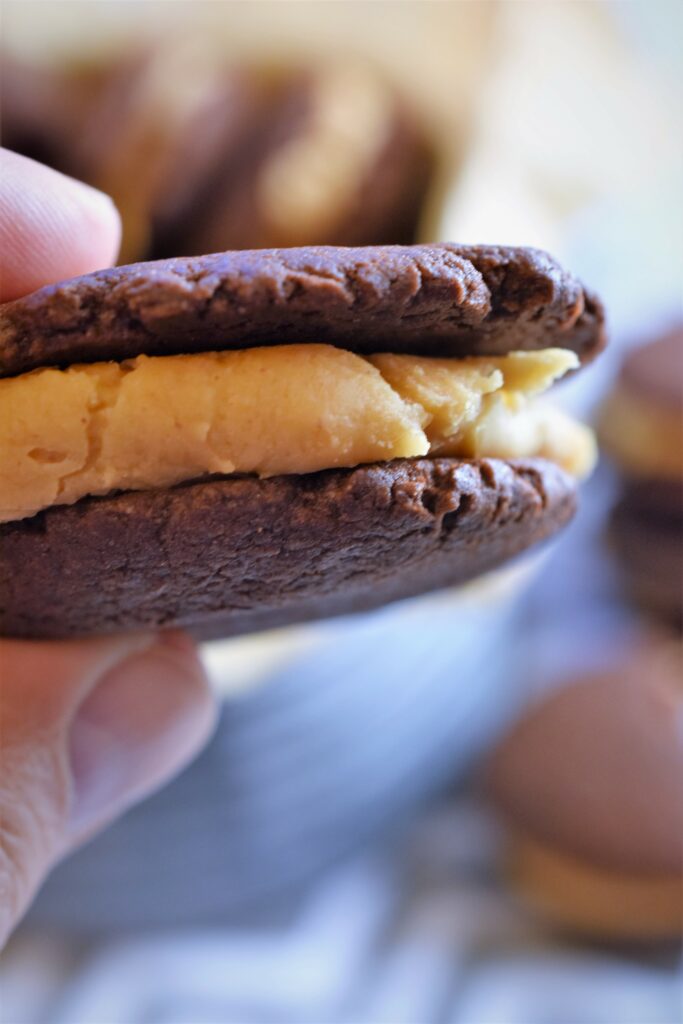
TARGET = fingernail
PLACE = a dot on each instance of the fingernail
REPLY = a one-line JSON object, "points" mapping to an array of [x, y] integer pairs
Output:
{"points": [[143, 721]]}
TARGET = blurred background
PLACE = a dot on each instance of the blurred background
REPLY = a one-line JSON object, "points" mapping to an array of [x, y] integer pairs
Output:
{"points": [[467, 807]]}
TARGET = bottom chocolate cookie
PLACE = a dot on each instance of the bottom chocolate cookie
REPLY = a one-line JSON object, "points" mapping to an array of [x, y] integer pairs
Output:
{"points": [[649, 549], [232, 555]]}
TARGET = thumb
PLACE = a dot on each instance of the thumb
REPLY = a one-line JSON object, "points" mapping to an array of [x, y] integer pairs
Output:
{"points": [[87, 729]]}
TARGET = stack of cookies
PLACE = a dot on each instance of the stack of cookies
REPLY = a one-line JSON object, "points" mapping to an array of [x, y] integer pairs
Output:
{"points": [[202, 156], [589, 780], [641, 430]]}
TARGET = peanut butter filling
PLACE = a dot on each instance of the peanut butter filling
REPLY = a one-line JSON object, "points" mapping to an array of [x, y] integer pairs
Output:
{"points": [[593, 899], [153, 422], [643, 438]]}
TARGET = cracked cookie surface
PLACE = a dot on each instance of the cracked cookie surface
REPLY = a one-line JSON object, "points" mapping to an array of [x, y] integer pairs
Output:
{"points": [[434, 300], [224, 557]]}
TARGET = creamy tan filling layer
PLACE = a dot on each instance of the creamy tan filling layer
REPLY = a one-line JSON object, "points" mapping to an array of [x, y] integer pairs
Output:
{"points": [[594, 899], [643, 438], [157, 421]]}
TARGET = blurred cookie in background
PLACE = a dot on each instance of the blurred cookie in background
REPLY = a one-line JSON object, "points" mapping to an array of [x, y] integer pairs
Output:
{"points": [[203, 156], [641, 430], [149, 128], [168, 119], [641, 420], [44, 106], [649, 549], [340, 161], [590, 784]]}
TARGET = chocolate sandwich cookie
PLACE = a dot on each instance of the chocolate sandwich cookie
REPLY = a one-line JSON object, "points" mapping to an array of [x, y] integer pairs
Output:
{"points": [[245, 439], [649, 550], [590, 784], [43, 108], [640, 428]]}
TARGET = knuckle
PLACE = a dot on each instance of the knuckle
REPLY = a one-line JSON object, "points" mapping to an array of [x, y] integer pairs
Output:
{"points": [[33, 808], [15, 871]]}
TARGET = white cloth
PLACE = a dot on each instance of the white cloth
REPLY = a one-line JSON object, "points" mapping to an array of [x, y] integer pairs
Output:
{"points": [[419, 932]]}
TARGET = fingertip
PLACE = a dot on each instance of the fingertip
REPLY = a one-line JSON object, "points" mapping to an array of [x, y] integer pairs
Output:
{"points": [[102, 235], [52, 227]]}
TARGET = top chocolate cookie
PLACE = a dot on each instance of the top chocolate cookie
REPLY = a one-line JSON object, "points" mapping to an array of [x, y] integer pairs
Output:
{"points": [[439, 300]]}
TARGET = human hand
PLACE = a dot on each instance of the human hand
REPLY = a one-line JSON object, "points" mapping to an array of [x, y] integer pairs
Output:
{"points": [[87, 728]]}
